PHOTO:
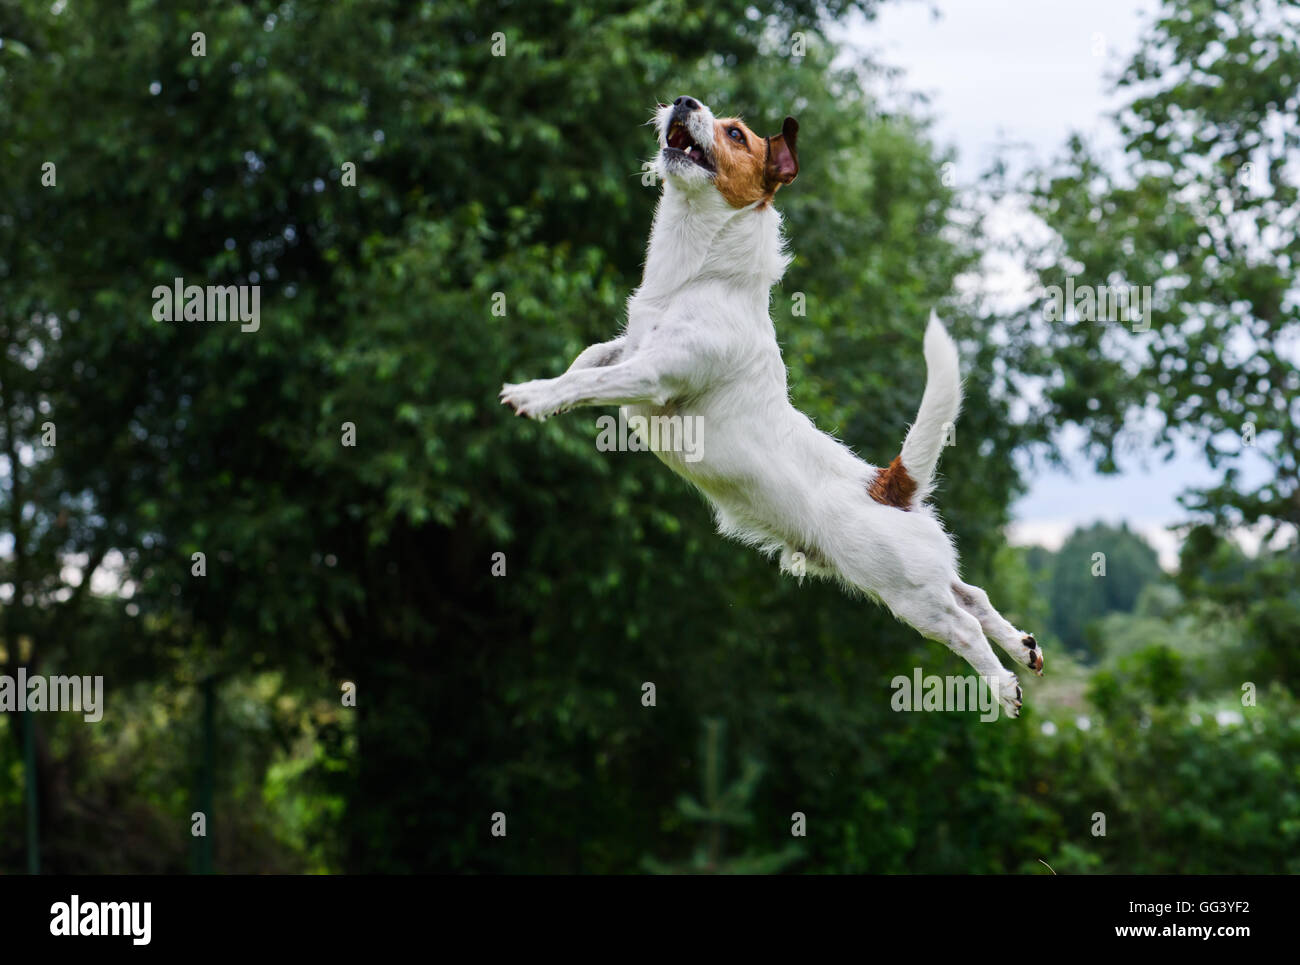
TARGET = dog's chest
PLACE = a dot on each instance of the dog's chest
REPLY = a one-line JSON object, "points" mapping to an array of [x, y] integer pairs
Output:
{"points": [[718, 342], [710, 324]]}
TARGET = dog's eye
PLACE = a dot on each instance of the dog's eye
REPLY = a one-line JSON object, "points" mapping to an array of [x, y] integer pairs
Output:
{"points": [[734, 133]]}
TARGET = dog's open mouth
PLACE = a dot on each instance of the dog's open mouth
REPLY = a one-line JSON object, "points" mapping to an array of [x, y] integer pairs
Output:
{"points": [[681, 142]]}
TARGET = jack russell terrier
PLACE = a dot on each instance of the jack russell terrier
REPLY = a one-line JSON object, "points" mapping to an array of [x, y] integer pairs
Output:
{"points": [[699, 343]]}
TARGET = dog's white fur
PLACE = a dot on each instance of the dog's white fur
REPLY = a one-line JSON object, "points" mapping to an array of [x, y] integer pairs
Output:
{"points": [[699, 342]]}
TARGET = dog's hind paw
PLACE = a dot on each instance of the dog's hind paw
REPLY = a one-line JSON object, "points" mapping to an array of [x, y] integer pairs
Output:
{"points": [[1034, 656], [1008, 693]]}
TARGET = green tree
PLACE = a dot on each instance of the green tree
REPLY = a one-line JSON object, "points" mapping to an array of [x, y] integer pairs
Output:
{"points": [[475, 174], [719, 808], [1100, 569], [373, 563]]}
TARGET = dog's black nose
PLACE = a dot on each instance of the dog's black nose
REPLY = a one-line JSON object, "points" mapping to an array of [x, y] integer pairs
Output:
{"points": [[687, 103]]}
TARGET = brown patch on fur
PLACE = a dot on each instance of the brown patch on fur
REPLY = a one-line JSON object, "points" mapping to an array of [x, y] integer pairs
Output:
{"points": [[750, 168], [893, 486]]}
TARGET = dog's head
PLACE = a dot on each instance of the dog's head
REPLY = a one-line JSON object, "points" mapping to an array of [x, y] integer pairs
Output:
{"points": [[698, 151]]}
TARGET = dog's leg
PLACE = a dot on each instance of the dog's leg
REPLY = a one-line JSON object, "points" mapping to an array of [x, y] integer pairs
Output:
{"points": [[939, 617], [644, 377], [1020, 646], [599, 355], [965, 638]]}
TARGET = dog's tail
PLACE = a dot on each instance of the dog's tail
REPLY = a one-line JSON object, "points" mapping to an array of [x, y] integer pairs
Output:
{"points": [[908, 480]]}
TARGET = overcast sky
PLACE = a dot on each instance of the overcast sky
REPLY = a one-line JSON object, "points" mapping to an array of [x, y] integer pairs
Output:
{"points": [[1018, 76]]}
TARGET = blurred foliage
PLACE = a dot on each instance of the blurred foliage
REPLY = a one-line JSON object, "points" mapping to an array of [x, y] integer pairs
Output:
{"points": [[372, 564], [1203, 210], [719, 809], [1099, 569]]}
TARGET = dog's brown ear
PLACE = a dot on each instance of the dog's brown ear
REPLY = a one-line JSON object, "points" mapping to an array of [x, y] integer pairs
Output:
{"points": [[782, 153]]}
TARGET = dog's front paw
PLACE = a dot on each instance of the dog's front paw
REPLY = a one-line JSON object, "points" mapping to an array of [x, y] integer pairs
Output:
{"points": [[535, 399]]}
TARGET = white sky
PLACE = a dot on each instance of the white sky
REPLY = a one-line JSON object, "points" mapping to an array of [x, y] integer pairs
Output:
{"points": [[1026, 72]]}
